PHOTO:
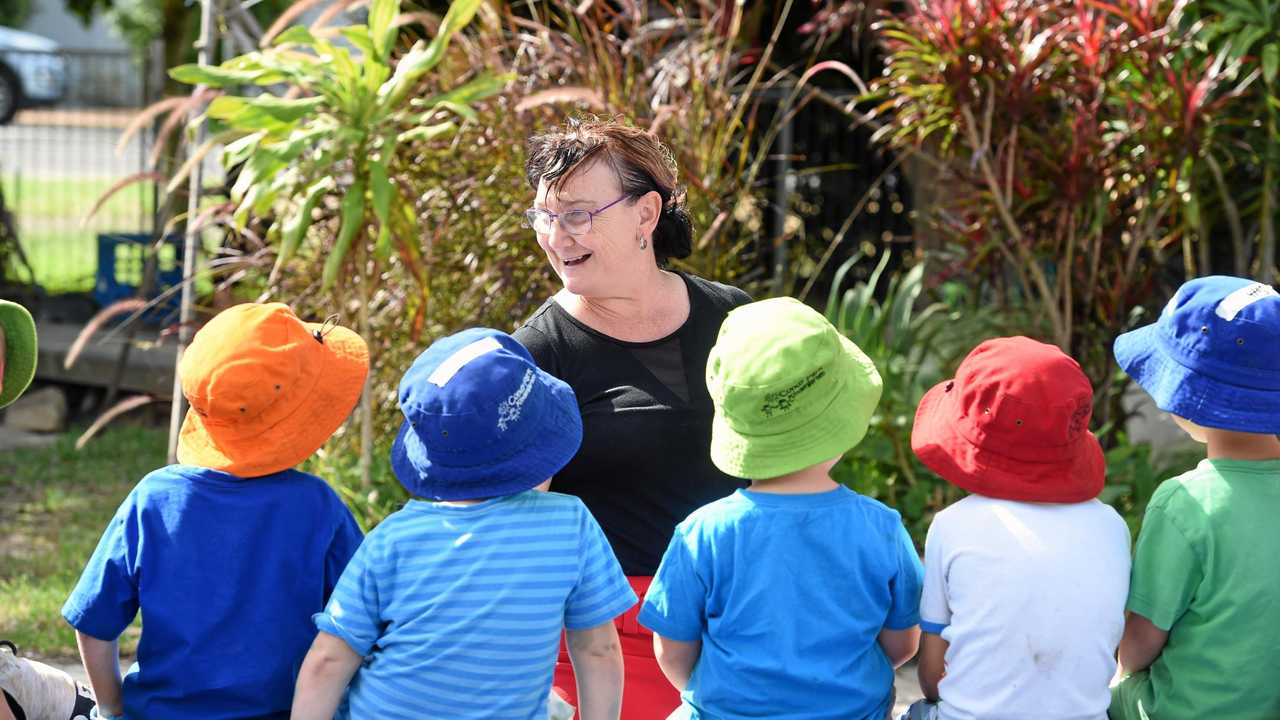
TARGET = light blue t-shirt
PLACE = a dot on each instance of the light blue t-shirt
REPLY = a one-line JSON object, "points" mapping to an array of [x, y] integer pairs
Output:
{"points": [[457, 609], [227, 572], [788, 594]]}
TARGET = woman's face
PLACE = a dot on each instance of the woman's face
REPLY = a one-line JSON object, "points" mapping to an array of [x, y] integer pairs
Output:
{"points": [[592, 263]]}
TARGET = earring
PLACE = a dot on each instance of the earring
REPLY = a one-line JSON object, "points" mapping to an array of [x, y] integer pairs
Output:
{"points": [[644, 242]]}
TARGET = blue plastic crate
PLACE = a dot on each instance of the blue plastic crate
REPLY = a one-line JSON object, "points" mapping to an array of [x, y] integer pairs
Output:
{"points": [[121, 263]]}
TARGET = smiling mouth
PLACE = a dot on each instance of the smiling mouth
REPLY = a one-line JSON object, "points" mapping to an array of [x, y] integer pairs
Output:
{"points": [[570, 262]]}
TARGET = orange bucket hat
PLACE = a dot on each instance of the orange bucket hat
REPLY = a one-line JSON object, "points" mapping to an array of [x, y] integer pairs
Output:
{"points": [[266, 389]]}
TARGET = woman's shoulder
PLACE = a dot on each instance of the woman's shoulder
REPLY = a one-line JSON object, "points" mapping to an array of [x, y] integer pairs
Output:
{"points": [[722, 296]]}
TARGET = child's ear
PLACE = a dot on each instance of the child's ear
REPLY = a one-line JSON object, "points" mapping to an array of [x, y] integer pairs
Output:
{"points": [[1196, 432]]}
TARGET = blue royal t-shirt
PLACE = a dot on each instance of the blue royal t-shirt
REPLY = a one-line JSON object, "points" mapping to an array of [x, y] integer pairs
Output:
{"points": [[457, 609], [788, 594], [227, 572]]}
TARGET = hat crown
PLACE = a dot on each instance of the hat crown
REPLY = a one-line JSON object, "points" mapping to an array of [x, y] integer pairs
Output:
{"points": [[249, 363], [1023, 397], [474, 390], [775, 364], [1227, 328]]}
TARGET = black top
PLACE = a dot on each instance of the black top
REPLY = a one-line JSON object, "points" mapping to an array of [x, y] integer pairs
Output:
{"points": [[645, 461]]}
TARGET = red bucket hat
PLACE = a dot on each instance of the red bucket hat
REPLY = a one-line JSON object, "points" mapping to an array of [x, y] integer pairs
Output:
{"points": [[1013, 424]]}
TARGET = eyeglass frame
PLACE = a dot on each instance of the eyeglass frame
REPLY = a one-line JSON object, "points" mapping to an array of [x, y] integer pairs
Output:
{"points": [[555, 217]]}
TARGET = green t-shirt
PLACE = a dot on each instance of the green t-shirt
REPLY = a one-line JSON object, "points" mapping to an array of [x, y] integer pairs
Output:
{"points": [[1207, 569]]}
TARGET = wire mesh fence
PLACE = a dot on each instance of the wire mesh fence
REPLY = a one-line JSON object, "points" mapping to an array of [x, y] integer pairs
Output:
{"points": [[61, 150]]}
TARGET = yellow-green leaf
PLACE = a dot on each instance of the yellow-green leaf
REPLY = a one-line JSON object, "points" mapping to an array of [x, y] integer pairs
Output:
{"points": [[351, 218], [422, 58], [295, 35], [428, 132], [295, 226], [381, 14], [1270, 62]]}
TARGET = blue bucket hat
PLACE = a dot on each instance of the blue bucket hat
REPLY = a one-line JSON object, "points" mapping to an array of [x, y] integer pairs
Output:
{"points": [[481, 420], [1213, 357]]}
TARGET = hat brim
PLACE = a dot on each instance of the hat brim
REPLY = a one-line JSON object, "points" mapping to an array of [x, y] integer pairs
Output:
{"points": [[295, 438], [937, 441], [19, 350], [837, 429], [1186, 393], [547, 450]]}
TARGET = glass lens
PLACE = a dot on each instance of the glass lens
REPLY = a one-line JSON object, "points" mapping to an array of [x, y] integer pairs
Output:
{"points": [[539, 220], [576, 221]]}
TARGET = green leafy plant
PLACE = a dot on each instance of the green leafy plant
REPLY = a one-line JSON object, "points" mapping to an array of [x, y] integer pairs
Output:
{"points": [[1134, 471], [913, 342], [317, 143], [1067, 130], [1233, 192]]}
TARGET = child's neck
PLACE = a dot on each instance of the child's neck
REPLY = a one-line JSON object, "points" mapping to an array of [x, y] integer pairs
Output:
{"points": [[809, 480], [1242, 446]]}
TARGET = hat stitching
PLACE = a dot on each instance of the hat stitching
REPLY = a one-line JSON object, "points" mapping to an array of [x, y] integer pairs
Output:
{"points": [[782, 400]]}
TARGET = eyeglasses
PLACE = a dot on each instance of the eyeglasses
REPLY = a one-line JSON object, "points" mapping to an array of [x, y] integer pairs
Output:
{"points": [[574, 222]]}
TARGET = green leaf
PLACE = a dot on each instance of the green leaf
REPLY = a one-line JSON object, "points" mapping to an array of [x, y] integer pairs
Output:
{"points": [[295, 226], [358, 35], [352, 218], [215, 76], [1270, 62], [381, 14], [484, 86], [264, 112], [427, 132], [422, 58], [241, 149], [295, 35]]}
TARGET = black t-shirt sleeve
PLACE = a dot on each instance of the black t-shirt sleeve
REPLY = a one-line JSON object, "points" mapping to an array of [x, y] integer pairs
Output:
{"points": [[540, 346]]}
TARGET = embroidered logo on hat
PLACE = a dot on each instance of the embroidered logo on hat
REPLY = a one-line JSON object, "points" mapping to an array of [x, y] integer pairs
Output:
{"points": [[509, 410]]}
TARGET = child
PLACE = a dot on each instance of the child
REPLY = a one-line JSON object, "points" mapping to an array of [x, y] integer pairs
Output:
{"points": [[229, 553], [1200, 638], [454, 605], [1025, 578], [796, 597]]}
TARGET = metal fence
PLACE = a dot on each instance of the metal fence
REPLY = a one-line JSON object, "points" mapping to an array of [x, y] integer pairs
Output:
{"points": [[61, 150], [827, 172]]}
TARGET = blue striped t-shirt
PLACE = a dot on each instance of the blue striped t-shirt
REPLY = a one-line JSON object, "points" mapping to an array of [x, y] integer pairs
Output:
{"points": [[457, 609]]}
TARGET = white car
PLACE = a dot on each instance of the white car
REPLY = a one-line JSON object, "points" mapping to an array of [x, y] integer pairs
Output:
{"points": [[33, 71]]}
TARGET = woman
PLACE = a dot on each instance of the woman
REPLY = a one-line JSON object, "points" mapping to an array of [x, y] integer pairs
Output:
{"points": [[631, 338]]}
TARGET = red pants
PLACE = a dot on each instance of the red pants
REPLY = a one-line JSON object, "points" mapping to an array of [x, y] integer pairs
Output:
{"points": [[646, 694]]}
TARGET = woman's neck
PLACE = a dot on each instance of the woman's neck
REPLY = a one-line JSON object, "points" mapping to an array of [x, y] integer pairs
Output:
{"points": [[648, 308]]}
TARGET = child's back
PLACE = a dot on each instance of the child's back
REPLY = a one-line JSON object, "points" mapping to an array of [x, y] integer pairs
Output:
{"points": [[1030, 597], [798, 597], [1200, 638], [219, 566], [797, 588], [459, 608], [1213, 531], [228, 554]]}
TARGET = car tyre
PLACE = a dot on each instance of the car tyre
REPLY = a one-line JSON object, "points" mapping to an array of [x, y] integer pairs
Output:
{"points": [[10, 95]]}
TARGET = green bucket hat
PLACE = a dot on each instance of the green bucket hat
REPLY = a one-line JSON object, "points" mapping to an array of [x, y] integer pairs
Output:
{"points": [[19, 350], [789, 390]]}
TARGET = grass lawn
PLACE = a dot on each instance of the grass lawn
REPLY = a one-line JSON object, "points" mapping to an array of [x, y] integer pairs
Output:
{"points": [[54, 504], [49, 213]]}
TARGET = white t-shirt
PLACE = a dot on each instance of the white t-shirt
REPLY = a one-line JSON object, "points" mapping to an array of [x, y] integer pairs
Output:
{"points": [[1030, 597]]}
